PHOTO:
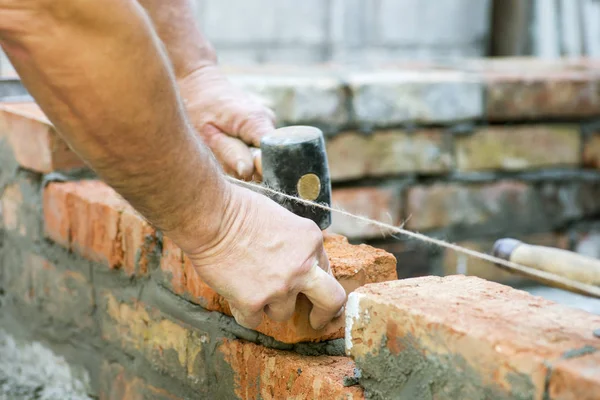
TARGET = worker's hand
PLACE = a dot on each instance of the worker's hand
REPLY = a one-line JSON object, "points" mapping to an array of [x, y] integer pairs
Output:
{"points": [[228, 119], [263, 257]]}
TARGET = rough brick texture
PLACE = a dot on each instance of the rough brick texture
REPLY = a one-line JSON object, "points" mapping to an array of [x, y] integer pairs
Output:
{"points": [[353, 266], [284, 375], [470, 152], [35, 143], [120, 384], [464, 337], [353, 155], [389, 98], [591, 150], [500, 206], [191, 356], [382, 203], [519, 148], [519, 94], [90, 218]]}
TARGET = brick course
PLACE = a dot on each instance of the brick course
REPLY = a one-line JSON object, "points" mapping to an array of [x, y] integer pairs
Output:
{"points": [[382, 203], [477, 338], [519, 148], [353, 155], [353, 266], [35, 143], [90, 218]]}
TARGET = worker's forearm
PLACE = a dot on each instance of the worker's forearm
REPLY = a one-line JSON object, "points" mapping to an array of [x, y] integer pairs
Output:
{"points": [[98, 72], [175, 24]]}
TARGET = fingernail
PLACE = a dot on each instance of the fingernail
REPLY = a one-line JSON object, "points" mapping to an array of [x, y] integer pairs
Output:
{"points": [[339, 313], [241, 168]]}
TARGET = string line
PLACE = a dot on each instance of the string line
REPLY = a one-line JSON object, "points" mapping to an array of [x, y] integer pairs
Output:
{"points": [[528, 271]]}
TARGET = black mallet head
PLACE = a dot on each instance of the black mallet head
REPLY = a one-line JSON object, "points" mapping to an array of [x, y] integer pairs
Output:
{"points": [[294, 162]]}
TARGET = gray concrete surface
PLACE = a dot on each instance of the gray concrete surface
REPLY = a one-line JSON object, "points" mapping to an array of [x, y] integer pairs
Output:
{"points": [[30, 371]]}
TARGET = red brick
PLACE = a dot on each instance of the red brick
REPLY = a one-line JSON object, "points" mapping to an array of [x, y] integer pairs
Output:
{"points": [[12, 199], [181, 352], [62, 297], [90, 218], [94, 216], [120, 384], [382, 203], [519, 94], [413, 258], [470, 338], [171, 264], [354, 155], [34, 141], [576, 378], [270, 374], [443, 205], [591, 151], [352, 265], [519, 147], [56, 213], [20, 208], [137, 240]]}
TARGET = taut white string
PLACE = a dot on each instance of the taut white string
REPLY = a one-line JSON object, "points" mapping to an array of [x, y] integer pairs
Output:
{"points": [[514, 267]]}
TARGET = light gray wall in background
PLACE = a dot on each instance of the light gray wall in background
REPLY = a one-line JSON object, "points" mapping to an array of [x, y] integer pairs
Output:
{"points": [[375, 31], [308, 31]]}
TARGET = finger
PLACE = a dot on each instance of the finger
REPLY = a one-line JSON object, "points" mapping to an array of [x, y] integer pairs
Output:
{"points": [[326, 295], [255, 126], [281, 311], [257, 159], [247, 320], [324, 262], [233, 154]]}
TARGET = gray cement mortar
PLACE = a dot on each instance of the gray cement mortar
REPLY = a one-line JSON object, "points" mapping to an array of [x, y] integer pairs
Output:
{"points": [[30, 371], [418, 376]]}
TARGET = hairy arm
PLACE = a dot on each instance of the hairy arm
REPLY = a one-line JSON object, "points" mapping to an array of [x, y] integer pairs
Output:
{"points": [[228, 120], [99, 72]]}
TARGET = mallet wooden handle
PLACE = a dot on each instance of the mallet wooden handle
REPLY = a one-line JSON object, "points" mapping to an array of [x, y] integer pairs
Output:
{"points": [[560, 262]]}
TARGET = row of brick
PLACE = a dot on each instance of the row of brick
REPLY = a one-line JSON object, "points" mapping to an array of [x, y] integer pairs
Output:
{"points": [[354, 155], [452, 337], [203, 360], [434, 151], [89, 218], [482, 207], [504, 205], [500, 90], [462, 337]]}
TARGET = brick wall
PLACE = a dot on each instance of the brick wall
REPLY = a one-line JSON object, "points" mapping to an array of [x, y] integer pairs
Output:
{"points": [[84, 274], [451, 151]]}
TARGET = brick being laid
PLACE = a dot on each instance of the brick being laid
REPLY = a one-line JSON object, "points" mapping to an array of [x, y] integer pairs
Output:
{"points": [[90, 218], [463, 337], [352, 265], [34, 141]]}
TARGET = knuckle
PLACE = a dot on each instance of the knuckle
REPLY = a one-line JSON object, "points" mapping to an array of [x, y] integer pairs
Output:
{"points": [[281, 289], [256, 304], [340, 298]]}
